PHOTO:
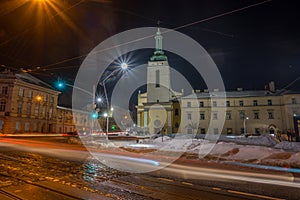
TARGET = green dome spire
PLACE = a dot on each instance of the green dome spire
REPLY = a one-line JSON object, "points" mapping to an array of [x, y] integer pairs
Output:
{"points": [[158, 54]]}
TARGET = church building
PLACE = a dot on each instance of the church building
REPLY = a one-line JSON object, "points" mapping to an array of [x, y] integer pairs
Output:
{"points": [[158, 109]]}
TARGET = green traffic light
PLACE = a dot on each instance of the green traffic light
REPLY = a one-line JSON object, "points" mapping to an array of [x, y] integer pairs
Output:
{"points": [[113, 127], [60, 85], [94, 115]]}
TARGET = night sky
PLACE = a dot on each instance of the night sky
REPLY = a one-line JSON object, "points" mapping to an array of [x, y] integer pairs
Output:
{"points": [[250, 47]]}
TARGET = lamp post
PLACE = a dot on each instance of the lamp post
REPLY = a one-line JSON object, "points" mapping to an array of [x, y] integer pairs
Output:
{"points": [[245, 118], [123, 66], [297, 126], [61, 85]]}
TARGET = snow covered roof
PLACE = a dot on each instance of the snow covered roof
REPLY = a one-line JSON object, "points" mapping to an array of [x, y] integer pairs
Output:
{"points": [[26, 77], [238, 94]]}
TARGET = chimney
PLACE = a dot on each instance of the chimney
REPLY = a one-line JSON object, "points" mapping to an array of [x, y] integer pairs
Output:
{"points": [[272, 86]]}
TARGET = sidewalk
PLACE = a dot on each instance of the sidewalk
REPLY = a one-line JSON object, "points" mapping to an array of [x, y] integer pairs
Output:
{"points": [[33, 135]]}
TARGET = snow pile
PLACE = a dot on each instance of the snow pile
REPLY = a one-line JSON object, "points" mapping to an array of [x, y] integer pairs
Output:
{"points": [[294, 146], [264, 140], [234, 152], [173, 144]]}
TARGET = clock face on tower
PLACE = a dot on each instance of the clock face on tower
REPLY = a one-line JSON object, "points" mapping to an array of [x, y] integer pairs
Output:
{"points": [[157, 123]]}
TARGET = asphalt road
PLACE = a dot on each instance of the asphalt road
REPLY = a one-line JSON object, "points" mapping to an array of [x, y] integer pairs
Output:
{"points": [[49, 168]]}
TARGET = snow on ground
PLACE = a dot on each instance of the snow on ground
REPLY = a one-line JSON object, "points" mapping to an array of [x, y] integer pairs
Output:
{"points": [[265, 149], [293, 146]]}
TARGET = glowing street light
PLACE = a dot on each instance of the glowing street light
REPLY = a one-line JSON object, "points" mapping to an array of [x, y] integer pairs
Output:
{"points": [[99, 99], [245, 118], [124, 67], [39, 98]]}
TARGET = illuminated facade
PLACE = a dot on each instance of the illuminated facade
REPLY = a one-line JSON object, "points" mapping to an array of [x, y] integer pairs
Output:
{"points": [[69, 120], [246, 111], [27, 104]]}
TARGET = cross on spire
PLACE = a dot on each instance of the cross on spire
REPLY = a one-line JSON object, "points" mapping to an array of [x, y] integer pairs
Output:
{"points": [[158, 38]]}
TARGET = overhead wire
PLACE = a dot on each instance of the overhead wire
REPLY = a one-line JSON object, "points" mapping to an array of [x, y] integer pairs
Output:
{"points": [[149, 36], [45, 67]]}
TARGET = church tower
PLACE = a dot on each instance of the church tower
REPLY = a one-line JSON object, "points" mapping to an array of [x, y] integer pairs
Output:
{"points": [[158, 109], [158, 74]]}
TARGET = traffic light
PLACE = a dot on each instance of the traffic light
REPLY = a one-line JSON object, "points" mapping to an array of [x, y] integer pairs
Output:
{"points": [[60, 85], [113, 127], [94, 115]]}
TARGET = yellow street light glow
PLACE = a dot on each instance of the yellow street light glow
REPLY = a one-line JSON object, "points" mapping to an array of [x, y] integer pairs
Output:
{"points": [[39, 98]]}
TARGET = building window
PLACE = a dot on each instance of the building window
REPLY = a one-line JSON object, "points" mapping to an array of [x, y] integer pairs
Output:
{"points": [[189, 131], [176, 112], [21, 92], [29, 94], [26, 126], [202, 130], [44, 111], [242, 130], [2, 105], [294, 101], [28, 109], [157, 79], [255, 103], [1, 124], [270, 102], [214, 104], [45, 98], [176, 125], [4, 90], [17, 126], [189, 116], [20, 105], [241, 102], [189, 104], [51, 99], [242, 114], [271, 114], [35, 129], [229, 131], [257, 130], [256, 114], [202, 116], [216, 131], [228, 103], [215, 115], [36, 110], [201, 104], [228, 115]]}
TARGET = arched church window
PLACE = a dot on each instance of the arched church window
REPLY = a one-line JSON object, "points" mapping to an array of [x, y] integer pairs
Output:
{"points": [[176, 112], [157, 78]]}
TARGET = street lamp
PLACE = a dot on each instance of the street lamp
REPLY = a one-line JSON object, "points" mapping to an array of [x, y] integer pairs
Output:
{"points": [[94, 115], [99, 99], [124, 67], [245, 118]]}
